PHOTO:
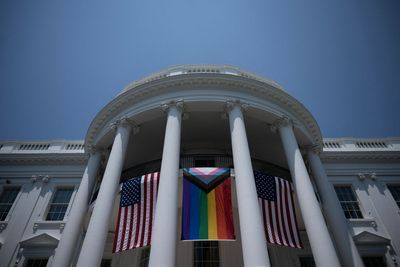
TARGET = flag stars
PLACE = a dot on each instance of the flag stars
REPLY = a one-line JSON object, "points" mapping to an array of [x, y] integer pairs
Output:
{"points": [[130, 192], [265, 185]]}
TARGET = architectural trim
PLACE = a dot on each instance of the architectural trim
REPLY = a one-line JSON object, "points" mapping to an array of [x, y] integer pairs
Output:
{"points": [[219, 78]]}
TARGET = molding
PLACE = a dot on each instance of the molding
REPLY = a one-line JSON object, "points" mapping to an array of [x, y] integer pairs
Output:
{"points": [[367, 175], [124, 122], [326, 156], [160, 87], [178, 104], [40, 240], [231, 103], [367, 238], [281, 122], [43, 159], [314, 148]]}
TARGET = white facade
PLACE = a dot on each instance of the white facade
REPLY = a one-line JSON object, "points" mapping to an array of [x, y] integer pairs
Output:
{"points": [[178, 118]]}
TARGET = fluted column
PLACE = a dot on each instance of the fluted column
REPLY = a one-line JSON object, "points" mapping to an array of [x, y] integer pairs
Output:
{"points": [[320, 241], [254, 244], [93, 244], [334, 213], [67, 244], [163, 247]]}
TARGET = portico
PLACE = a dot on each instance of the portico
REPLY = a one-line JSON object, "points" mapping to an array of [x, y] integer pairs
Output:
{"points": [[220, 110]]}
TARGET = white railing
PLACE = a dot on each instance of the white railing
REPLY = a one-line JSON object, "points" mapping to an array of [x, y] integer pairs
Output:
{"points": [[358, 144], [193, 69], [55, 146]]}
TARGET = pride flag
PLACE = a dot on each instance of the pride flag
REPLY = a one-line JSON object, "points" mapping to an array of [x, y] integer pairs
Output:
{"points": [[207, 215]]}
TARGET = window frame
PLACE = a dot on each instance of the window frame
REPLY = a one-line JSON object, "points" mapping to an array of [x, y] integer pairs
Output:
{"points": [[357, 200], [36, 258], [388, 185], [53, 192], [308, 258], [381, 257], [144, 256], [210, 247], [14, 204]]}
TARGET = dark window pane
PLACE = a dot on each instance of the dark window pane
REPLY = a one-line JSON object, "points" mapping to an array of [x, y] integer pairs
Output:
{"points": [[59, 204], [206, 253], [395, 190], [374, 262], [7, 198], [144, 257], [307, 262], [105, 263], [204, 163], [349, 202], [37, 263]]}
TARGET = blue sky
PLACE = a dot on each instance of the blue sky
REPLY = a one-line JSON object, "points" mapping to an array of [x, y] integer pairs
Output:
{"points": [[62, 61]]}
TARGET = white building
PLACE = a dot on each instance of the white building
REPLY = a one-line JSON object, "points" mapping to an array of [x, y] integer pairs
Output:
{"points": [[65, 193]]}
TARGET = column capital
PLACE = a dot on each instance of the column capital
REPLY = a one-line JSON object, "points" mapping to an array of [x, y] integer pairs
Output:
{"points": [[231, 103], [315, 148], [281, 122], [178, 104], [126, 123], [93, 150]]}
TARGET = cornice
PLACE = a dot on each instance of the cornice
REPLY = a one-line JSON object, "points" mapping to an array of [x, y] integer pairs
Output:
{"points": [[364, 155], [43, 159], [245, 84]]}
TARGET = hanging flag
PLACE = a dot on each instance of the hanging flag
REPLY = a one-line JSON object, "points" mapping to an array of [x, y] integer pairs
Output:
{"points": [[136, 212], [276, 203], [207, 211]]}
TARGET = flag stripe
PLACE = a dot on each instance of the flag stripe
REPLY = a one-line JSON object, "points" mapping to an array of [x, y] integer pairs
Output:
{"points": [[221, 212], [117, 233], [203, 214], [194, 211], [288, 221], [186, 216], [135, 220], [280, 211], [212, 216], [228, 209], [293, 219]]}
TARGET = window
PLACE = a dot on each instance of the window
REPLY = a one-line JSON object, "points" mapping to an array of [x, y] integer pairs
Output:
{"points": [[105, 263], [307, 262], [144, 257], [374, 262], [37, 263], [395, 190], [349, 202], [59, 204], [206, 254], [7, 199]]}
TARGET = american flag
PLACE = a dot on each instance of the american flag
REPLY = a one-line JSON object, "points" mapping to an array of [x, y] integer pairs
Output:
{"points": [[276, 203], [136, 212]]}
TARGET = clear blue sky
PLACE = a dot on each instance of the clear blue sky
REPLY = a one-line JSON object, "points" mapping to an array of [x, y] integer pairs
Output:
{"points": [[62, 61]]}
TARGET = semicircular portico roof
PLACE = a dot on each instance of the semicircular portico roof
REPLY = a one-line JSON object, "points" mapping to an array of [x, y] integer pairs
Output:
{"points": [[173, 83]]}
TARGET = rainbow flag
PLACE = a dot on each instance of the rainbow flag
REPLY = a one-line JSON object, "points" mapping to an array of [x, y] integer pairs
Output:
{"points": [[207, 215]]}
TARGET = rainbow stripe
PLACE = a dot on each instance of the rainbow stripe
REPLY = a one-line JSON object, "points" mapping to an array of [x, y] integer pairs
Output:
{"points": [[207, 215]]}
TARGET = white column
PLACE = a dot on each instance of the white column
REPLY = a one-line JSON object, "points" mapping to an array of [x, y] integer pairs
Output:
{"points": [[334, 214], [163, 247], [321, 244], [67, 245], [254, 244], [96, 235]]}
